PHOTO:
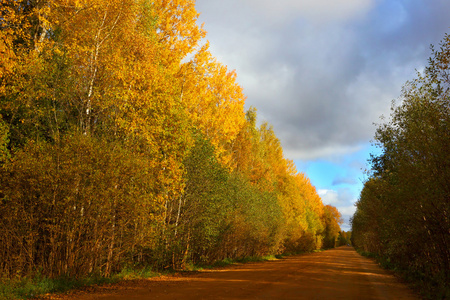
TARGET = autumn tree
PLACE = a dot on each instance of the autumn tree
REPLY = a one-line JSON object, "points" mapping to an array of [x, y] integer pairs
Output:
{"points": [[332, 220], [258, 155], [88, 76], [124, 142], [214, 101], [344, 238]]}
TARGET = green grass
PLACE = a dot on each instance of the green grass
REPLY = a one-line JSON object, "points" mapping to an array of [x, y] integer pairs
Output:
{"points": [[428, 287], [26, 288], [256, 259], [228, 261]]}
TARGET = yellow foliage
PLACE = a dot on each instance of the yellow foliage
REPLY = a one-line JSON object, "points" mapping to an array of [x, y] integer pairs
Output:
{"points": [[214, 101]]}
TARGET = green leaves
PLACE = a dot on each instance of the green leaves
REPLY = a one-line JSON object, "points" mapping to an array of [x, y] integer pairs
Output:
{"points": [[4, 141], [403, 210]]}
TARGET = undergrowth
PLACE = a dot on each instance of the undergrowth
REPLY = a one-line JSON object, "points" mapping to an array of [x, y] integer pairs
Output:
{"points": [[228, 261], [27, 288], [432, 288]]}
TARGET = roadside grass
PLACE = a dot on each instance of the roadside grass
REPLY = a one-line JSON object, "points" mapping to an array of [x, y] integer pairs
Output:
{"points": [[28, 288], [228, 261], [429, 288]]}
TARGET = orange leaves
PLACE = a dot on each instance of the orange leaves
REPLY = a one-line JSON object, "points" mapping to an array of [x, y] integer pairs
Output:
{"points": [[8, 19], [176, 26], [13, 22], [213, 100], [7, 56]]}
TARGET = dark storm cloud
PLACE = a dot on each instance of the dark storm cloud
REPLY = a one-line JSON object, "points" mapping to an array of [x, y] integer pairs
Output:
{"points": [[322, 74]]}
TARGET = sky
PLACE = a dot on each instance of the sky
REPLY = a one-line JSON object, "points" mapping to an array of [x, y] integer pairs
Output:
{"points": [[323, 72]]}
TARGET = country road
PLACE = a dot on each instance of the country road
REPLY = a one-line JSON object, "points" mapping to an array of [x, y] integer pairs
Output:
{"points": [[334, 274]]}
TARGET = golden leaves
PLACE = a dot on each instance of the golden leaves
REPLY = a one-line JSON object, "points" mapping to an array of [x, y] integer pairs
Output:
{"points": [[176, 25], [213, 99]]}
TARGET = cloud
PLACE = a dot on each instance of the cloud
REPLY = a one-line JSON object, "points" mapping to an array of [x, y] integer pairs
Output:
{"points": [[348, 210], [322, 72], [318, 10], [343, 199], [329, 197], [342, 196], [345, 180]]}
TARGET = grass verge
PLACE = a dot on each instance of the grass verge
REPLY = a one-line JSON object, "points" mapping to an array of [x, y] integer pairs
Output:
{"points": [[28, 288], [429, 288], [228, 261]]}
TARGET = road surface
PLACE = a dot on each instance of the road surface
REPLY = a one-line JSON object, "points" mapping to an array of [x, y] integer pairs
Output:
{"points": [[334, 274]]}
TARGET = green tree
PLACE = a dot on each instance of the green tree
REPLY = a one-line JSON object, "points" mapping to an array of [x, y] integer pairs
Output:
{"points": [[199, 218], [403, 210], [331, 219], [4, 141]]}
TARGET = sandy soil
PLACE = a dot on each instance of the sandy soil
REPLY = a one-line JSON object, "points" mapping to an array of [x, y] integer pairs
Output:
{"points": [[335, 274]]}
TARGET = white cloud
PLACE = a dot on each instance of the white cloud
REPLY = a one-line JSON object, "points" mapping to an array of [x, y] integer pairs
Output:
{"points": [[343, 200], [329, 197], [347, 210]]}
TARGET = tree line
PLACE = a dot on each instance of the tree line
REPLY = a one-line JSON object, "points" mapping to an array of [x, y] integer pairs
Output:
{"points": [[124, 142], [402, 214]]}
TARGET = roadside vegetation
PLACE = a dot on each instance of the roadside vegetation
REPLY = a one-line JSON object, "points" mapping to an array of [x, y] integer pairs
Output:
{"points": [[38, 285], [402, 216]]}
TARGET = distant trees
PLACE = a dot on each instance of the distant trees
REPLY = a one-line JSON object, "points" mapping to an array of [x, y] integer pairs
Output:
{"points": [[332, 219], [124, 142], [344, 238], [403, 210]]}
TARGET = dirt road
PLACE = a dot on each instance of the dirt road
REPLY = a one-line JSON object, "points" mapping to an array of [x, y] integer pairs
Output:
{"points": [[335, 274]]}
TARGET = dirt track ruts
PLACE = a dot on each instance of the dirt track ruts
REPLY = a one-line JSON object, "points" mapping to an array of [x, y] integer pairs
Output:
{"points": [[334, 274]]}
